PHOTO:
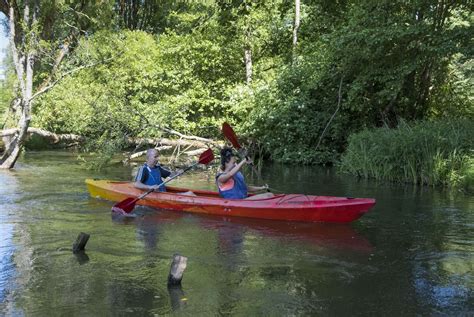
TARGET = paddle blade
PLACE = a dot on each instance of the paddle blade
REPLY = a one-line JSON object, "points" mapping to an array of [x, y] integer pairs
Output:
{"points": [[206, 157], [125, 206], [230, 135]]}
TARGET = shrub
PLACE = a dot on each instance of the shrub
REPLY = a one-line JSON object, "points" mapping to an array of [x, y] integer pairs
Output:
{"points": [[430, 153]]}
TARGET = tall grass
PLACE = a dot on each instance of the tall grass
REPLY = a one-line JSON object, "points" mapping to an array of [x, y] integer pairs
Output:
{"points": [[430, 153]]}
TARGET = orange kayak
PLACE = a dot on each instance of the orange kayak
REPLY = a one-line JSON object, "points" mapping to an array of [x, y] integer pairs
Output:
{"points": [[289, 207]]}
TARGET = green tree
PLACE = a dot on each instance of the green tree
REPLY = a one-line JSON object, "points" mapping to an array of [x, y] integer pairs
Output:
{"points": [[41, 35]]}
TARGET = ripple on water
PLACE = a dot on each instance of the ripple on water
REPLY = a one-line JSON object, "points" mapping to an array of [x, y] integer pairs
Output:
{"points": [[7, 267]]}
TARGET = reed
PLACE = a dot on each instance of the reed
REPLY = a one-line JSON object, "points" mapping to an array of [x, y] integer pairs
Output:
{"points": [[437, 153]]}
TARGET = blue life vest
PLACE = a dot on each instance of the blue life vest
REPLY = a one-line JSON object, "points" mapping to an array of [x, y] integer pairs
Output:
{"points": [[152, 176], [234, 188]]}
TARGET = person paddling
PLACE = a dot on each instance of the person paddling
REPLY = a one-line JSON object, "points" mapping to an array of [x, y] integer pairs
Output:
{"points": [[151, 174], [230, 181]]}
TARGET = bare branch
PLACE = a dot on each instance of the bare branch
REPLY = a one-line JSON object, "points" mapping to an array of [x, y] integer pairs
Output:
{"points": [[171, 131], [59, 58], [188, 137], [332, 117], [45, 89]]}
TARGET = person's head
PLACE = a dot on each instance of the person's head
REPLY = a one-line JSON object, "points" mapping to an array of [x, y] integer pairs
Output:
{"points": [[151, 157], [227, 157]]}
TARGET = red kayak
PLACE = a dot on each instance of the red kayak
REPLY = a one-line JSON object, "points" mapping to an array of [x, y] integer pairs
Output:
{"points": [[289, 207]]}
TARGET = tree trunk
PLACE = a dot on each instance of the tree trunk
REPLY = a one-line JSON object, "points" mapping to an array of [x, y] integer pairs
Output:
{"points": [[24, 63], [297, 22], [23, 47], [248, 45], [248, 65], [13, 149]]}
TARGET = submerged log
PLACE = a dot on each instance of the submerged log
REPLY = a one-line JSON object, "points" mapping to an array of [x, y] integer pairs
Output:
{"points": [[80, 243], [177, 269]]}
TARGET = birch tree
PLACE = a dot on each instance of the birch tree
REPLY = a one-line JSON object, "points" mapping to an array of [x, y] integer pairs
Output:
{"points": [[41, 35]]}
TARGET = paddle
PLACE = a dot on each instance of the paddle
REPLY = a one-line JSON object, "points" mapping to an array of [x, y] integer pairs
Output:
{"points": [[128, 204], [232, 137]]}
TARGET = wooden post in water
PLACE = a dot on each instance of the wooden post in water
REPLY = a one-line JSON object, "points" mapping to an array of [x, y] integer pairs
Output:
{"points": [[80, 243], [177, 269]]}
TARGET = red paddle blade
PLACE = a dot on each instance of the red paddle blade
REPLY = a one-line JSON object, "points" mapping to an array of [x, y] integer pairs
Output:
{"points": [[125, 206], [206, 157], [230, 135]]}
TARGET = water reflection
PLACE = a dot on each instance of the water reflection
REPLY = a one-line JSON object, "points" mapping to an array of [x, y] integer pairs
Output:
{"points": [[230, 231], [177, 297], [413, 254], [9, 193], [82, 257], [7, 267]]}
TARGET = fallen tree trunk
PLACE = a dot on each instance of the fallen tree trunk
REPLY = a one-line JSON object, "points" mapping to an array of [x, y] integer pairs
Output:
{"points": [[55, 138], [163, 148], [70, 138], [164, 142], [188, 145], [67, 139]]}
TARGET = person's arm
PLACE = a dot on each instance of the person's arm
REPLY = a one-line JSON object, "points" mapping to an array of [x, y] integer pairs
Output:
{"points": [[257, 188], [140, 185], [225, 177], [164, 172]]}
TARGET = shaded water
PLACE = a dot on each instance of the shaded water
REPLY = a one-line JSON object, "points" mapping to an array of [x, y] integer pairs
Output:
{"points": [[412, 254]]}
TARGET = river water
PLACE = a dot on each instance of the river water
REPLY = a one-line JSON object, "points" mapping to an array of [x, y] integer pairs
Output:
{"points": [[413, 254]]}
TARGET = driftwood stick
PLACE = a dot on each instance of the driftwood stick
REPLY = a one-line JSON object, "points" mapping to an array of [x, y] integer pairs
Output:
{"points": [[177, 269], [80, 243]]}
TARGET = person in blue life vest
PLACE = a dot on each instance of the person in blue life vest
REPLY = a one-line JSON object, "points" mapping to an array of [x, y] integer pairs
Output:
{"points": [[230, 181], [151, 174]]}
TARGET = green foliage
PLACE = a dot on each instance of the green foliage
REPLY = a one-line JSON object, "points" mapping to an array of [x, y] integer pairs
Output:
{"points": [[181, 65], [142, 82], [398, 60], [105, 147], [431, 153], [396, 56]]}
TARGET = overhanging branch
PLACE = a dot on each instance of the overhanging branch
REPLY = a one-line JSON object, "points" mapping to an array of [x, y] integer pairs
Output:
{"points": [[46, 88]]}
